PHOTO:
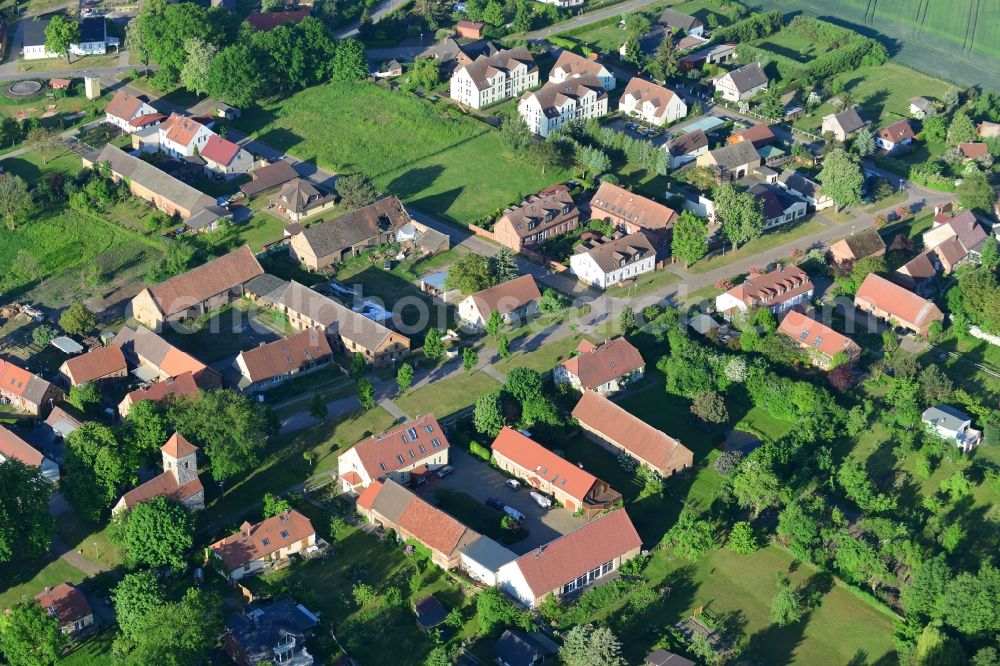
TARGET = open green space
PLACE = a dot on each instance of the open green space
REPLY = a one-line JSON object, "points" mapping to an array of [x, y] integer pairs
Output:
{"points": [[93, 651], [537, 352], [24, 579], [407, 146], [787, 233], [447, 396]]}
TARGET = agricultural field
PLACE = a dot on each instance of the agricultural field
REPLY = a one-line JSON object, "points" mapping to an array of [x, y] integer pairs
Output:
{"points": [[407, 146]]}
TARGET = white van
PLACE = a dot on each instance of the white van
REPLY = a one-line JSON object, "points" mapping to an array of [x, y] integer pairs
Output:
{"points": [[514, 513], [541, 500]]}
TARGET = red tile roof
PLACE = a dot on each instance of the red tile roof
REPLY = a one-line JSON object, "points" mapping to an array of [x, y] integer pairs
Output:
{"points": [[12, 446], [13, 379], [756, 134], [352, 478], [543, 463], [280, 531], [770, 289], [180, 129], [899, 302], [179, 386], [162, 485], [219, 150], [367, 498], [507, 296], [290, 354], [596, 366], [123, 105], [96, 364], [412, 441], [897, 131], [178, 446], [431, 526], [268, 21], [65, 602], [558, 562], [974, 150], [202, 282], [634, 208], [148, 119], [815, 335]]}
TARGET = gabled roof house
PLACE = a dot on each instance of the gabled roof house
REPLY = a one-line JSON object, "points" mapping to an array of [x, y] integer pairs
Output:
{"points": [[883, 299], [414, 447], [265, 367], [778, 291], [257, 547], [26, 390], [178, 482], [13, 447], [606, 368], [549, 213], [515, 300], [632, 213]]}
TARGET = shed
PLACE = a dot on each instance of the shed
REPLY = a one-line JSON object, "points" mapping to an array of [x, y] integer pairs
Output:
{"points": [[434, 284], [483, 558], [67, 345], [430, 612]]}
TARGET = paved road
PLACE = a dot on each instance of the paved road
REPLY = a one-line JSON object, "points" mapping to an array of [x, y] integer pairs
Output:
{"points": [[384, 7], [588, 18]]}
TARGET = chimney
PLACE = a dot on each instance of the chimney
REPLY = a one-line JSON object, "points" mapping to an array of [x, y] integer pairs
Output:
{"points": [[245, 529]]}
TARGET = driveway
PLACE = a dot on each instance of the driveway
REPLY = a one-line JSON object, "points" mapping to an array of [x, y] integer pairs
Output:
{"points": [[476, 478]]}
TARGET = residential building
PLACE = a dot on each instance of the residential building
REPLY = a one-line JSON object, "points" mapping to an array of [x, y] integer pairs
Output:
{"points": [[573, 562], [620, 431], [482, 559], [686, 148], [412, 448], [553, 475], [865, 243], [606, 368], [741, 84], [68, 605], [93, 39], [804, 188], [779, 206], [563, 4], [348, 235], [633, 213], [268, 21], [963, 229], [202, 289], [393, 507], [953, 425], [677, 21], [894, 136], [555, 104], [261, 546], [822, 343], [573, 66], [605, 262], [13, 447], [733, 161], [265, 367], [516, 300], [98, 365], [451, 55], [663, 657], [974, 150], [651, 103], [210, 218], [758, 135], [921, 107], [156, 360], [517, 648], [883, 299], [180, 136], [175, 388], [469, 29], [844, 124], [549, 213], [27, 391], [58, 425], [131, 113], [299, 199], [271, 633], [490, 79], [147, 182], [919, 272], [718, 53], [268, 178], [225, 159], [778, 291], [178, 482]]}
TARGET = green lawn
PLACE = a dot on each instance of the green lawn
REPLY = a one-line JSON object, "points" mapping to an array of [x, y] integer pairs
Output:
{"points": [[21, 580], [538, 353], [476, 515], [407, 146], [447, 396], [33, 168], [95, 651], [771, 239], [216, 337]]}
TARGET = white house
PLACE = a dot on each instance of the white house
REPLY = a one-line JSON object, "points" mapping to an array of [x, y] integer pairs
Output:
{"points": [[556, 104], [676, 21], [605, 262], [742, 83], [180, 136], [779, 206], [571, 66], [414, 447], [563, 3], [605, 369], [256, 548], [893, 136], [94, 39], [515, 300], [651, 103], [844, 124], [483, 558], [130, 113], [490, 79], [225, 159], [778, 291], [953, 425]]}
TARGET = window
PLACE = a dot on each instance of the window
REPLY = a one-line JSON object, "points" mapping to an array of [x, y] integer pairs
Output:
{"points": [[412, 454], [284, 534], [382, 465], [266, 542], [405, 441], [607, 567], [413, 433], [436, 443], [400, 459], [422, 449], [428, 428], [817, 341]]}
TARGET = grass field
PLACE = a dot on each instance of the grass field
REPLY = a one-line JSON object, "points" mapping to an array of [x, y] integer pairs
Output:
{"points": [[22, 580], [771, 239], [408, 147], [447, 396]]}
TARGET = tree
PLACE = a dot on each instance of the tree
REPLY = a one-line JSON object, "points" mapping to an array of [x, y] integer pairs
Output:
{"points": [[988, 259], [178, 633], [487, 417], [690, 239], [60, 33], [842, 178], [404, 377], [961, 130], [493, 323], [522, 17], [936, 648], [636, 25], [633, 52], [799, 530], [154, 533], [585, 645], [366, 394], [135, 597], [358, 365], [975, 192], [433, 346], [438, 657], [271, 5], [787, 607], [275, 506], [854, 479], [503, 266], [10, 131], [493, 13], [195, 73], [26, 528], [770, 105], [97, 467], [864, 144], [86, 397], [741, 539], [503, 347], [349, 61], [234, 77], [426, 72], [77, 319], [30, 636], [552, 301], [626, 319], [665, 62], [470, 273], [15, 201], [515, 134], [44, 141], [690, 537], [922, 598], [858, 562], [317, 407], [355, 190], [470, 359], [935, 385], [146, 428], [740, 213], [755, 485], [969, 602], [43, 335], [522, 383], [710, 407], [494, 612], [935, 129]]}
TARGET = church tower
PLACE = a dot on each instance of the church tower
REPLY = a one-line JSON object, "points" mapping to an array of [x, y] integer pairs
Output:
{"points": [[180, 457]]}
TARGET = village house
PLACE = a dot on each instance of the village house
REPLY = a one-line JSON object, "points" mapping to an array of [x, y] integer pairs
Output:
{"points": [[57, 427], [921, 107], [466, 29], [553, 475], [677, 21], [265, 367], [572, 66], [348, 235], [393, 507], [483, 558], [493, 78], [27, 391], [299, 199], [155, 359], [98, 365], [778, 291], [733, 161], [842, 125], [268, 21], [686, 148], [741, 84], [804, 188], [606, 368], [261, 546], [605, 262], [555, 104], [575, 561], [178, 482], [225, 159], [516, 300], [147, 182], [549, 213], [180, 136], [451, 55], [901, 307], [633, 213], [268, 177], [563, 4], [894, 136], [823, 344], [270, 633], [962, 230], [663, 657], [953, 425], [68, 605], [131, 113], [181, 386], [92, 40], [758, 135], [620, 431], [974, 150], [712, 55], [210, 218], [202, 289], [778, 205], [410, 449], [865, 243], [651, 103], [13, 447]]}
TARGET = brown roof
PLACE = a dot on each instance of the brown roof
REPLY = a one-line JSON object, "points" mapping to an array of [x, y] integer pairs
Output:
{"points": [[178, 446], [507, 296], [635, 208], [123, 105], [506, 60], [268, 21], [202, 282], [577, 65], [900, 303], [963, 226], [552, 96], [950, 251], [897, 131], [543, 463], [757, 134], [280, 531], [300, 196], [464, 23], [558, 562], [596, 366], [645, 91], [919, 268], [95, 364], [815, 335], [382, 217], [180, 129], [610, 253], [688, 143], [162, 485], [268, 177], [549, 208], [18, 381], [12, 446], [863, 243], [367, 498], [431, 526], [769, 289], [287, 355], [141, 345], [412, 441], [974, 150], [65, 602], [629, 431], [147, 119], [181, 385]]}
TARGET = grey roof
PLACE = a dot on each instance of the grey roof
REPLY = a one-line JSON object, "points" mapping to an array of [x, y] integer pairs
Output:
{"points": [[206, 216], [688, 143], [430, 612], [263, 284], [488, 553], [342, 232], [849, 120], [748, 77], [662, 657], [674, 19], [553, 95], [630, 249], [945, 416], [794, 180], [703, 323], [516, 648], [448, 49], [67, 345], [263, 627], [921, 103], [736, 155], [485, 66], [33, 32], [156, 181], [93, 29], [140, 341], [865, 242], [392, 500], [268, 177], [300, 196]]}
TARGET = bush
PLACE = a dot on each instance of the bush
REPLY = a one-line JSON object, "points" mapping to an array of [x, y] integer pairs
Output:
{"points": [[480, 451]]}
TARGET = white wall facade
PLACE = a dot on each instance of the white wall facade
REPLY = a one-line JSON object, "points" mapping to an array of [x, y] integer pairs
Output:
{"points": [[589, 106], [676, 109], [500, 87], [586, 269]]}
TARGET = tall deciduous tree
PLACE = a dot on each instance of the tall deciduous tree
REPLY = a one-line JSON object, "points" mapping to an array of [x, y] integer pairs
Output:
{"points": [[470, 273], [469, 359], [487, 417], [740, 213], [494, 323], [29, 636], [690, 238], [234, 77], [26, 528], [366, 394], [97, 468], [77, 319], [349, 61], [975, 192], [135, 598], [60, 33], [842, 178], [355, 190], [404, 377], [179, 633], [433, 346], [155, 533], [690, 537], [15, 200], [146, 427], [195, 73]]}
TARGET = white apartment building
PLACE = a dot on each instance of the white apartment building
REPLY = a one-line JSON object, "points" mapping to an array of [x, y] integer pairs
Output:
{"points": [[651, 103], [571, 66], [556, 104], [603, 264], [490, 79]]}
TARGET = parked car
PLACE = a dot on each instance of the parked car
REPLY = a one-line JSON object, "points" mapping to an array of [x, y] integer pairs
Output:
{"points": [[514, 513], [445, 471], [513, 484], [494, 503], [541, 500]]}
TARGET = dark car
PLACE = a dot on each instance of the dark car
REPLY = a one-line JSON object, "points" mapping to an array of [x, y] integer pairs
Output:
{"points": [[494, 503]]}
